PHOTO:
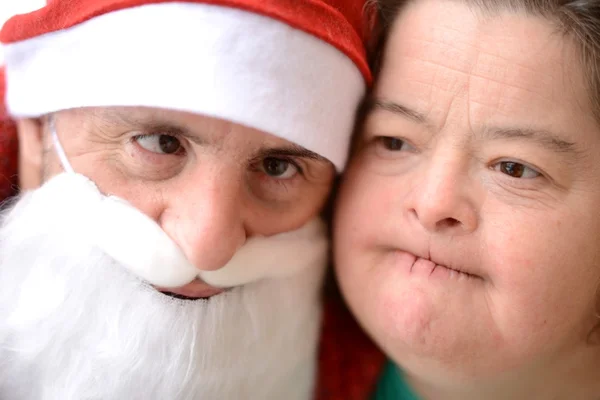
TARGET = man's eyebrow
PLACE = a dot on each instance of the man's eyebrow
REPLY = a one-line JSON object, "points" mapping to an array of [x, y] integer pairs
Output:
{"points": [[544, 138], [395, 108], [149, 124], [291, 150]]}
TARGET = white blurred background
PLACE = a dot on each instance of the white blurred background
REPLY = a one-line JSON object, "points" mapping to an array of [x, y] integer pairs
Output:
{"points": [[8, 8]]}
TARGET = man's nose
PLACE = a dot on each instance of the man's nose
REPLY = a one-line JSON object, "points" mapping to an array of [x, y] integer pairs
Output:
{"points": [[444, 199], [204, 218]]}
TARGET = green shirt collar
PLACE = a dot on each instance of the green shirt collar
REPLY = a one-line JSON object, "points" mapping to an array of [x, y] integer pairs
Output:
{"points": [[391, 385]]}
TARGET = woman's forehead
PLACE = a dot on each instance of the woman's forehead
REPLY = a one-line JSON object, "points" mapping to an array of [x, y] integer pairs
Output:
{"points": [[510, 68]]}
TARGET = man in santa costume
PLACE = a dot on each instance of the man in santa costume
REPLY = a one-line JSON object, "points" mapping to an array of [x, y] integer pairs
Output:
{"points": [[173, 159]]}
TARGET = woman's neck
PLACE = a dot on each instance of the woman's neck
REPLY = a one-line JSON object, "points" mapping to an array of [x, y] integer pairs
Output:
{"points": [[572, 378]]}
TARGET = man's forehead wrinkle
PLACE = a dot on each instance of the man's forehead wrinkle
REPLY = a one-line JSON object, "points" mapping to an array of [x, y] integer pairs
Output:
{"points": [[115, 115], [106, 121], [133, 116], [95, 121], [115, 121]]}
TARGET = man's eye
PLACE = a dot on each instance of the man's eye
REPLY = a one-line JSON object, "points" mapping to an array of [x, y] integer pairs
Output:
{"points": [[279, 168], [516, 170], [160, 144], [393, 144]]}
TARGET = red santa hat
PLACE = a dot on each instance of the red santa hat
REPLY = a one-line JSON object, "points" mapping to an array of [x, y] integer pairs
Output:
{"points": [[8, 149], [293, 68]]}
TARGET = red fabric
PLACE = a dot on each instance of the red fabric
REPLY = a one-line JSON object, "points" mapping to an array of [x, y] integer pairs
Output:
{"points": [[338, 22], [349, 363], [9, 148]]}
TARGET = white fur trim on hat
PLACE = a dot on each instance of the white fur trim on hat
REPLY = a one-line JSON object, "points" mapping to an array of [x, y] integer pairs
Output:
{"points": [[205, 59]]}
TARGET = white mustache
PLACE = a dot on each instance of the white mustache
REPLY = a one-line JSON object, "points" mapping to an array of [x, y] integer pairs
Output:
{"points": [[76, 324], [138, 243]]}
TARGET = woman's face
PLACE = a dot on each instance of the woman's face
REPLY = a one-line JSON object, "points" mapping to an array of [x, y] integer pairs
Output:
{"points": [[467, 234]]}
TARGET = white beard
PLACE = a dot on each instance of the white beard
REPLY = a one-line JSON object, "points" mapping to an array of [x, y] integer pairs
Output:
{"points": [[75, 325]]}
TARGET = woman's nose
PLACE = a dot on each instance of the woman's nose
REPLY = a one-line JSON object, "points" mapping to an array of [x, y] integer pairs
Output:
{"points": [[442, 202]]}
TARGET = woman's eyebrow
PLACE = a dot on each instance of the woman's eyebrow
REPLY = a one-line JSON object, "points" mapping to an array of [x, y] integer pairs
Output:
{"points": [[373, 104], [541, 137]]}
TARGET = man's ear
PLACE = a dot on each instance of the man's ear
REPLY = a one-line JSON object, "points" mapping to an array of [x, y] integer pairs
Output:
{"points": [[31, 153]]}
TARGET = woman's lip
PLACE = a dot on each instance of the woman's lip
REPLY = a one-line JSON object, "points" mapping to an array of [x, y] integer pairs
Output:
{"points": [[193, 290], [431, 267]]}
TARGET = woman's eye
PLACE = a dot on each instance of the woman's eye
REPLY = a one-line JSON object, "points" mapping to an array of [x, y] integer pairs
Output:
{"points": [[160, 144], [392, 143], [279, 168], [516, 170]]}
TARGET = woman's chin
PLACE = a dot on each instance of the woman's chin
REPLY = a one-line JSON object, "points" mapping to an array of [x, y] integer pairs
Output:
{"points": [[421, 321]]}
